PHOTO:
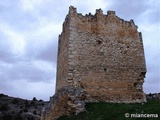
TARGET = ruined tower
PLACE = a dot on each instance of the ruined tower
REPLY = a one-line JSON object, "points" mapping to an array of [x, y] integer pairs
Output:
{"points": [[100, 58], [104, 55]]}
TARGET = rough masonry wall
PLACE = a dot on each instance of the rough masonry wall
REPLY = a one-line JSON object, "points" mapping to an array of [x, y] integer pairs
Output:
{"points": [[105, 57], [62, 61]]}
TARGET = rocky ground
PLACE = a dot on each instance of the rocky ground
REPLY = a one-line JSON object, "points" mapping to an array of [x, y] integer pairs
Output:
{"points": [[19, 109]]}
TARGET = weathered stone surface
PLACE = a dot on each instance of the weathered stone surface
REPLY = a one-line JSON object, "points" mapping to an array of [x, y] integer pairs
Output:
{"points": [[66, 101], [101, 54]]}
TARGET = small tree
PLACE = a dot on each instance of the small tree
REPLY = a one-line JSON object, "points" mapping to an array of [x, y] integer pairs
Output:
{"points": [[26, 103], [25, 110], [7, 117], [34, 99], [15, 101], [4, 107], [35, 112], [18, 117], [32, 103]]}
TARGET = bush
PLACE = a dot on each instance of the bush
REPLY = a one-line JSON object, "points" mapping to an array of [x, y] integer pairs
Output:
{"points": [[26, 103], [25, 110], [20, 112], [34, 99], [4, 107], [15, 101], [7, 117], [35, 106], [40, 100], [13, 112], [30, 118], [42, 104], [32, 103], [18, 117], [2, 95], [35, 112], [21, 107]]}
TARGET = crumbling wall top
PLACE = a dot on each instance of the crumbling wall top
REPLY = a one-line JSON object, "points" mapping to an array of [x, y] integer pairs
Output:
{"points": [[99, 16], [109, 12], [72, 10], [99, 11]]}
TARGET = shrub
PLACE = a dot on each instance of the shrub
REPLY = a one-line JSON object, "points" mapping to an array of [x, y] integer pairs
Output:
{"points": [[7, 117], [35, 106], [4, 107], [26, 103], [34, 99], [30, 118], [13, 112], [20, 112], [25, 110], [15, 101], [18, 117], [42, 104], [35, 112], [32, 103], [21, 107], [2, 95]]}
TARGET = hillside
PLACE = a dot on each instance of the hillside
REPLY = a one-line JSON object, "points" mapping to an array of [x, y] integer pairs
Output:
{"points": [[117, 111], [19, 109]]}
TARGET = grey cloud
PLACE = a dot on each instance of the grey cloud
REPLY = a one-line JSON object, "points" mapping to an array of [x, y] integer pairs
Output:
{"points": [[130, 7], [52, 8], [8, 57], [4, 55], [154, 16], [152, 76], [139, 10], [6, 87], [42, 51], [151, 88], [153, 68], [25, 71], [12, 14], [5, 51], [49, 53]]}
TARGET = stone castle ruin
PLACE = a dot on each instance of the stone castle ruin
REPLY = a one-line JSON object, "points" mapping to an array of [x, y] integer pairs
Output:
{"points": [[100, 58]]}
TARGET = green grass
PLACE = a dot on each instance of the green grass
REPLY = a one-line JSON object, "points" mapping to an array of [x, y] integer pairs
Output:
{"points": [[116, 111]]}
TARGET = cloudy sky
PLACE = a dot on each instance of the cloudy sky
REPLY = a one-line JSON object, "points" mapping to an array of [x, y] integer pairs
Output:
{"points": [[29, 32]]}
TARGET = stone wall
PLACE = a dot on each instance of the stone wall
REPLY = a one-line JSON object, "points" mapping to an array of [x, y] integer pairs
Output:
{"points": [[62, 61], [104, 55]]}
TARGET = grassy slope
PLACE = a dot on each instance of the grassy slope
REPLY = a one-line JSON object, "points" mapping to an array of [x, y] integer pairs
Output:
{"points": [[115, 111]]}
